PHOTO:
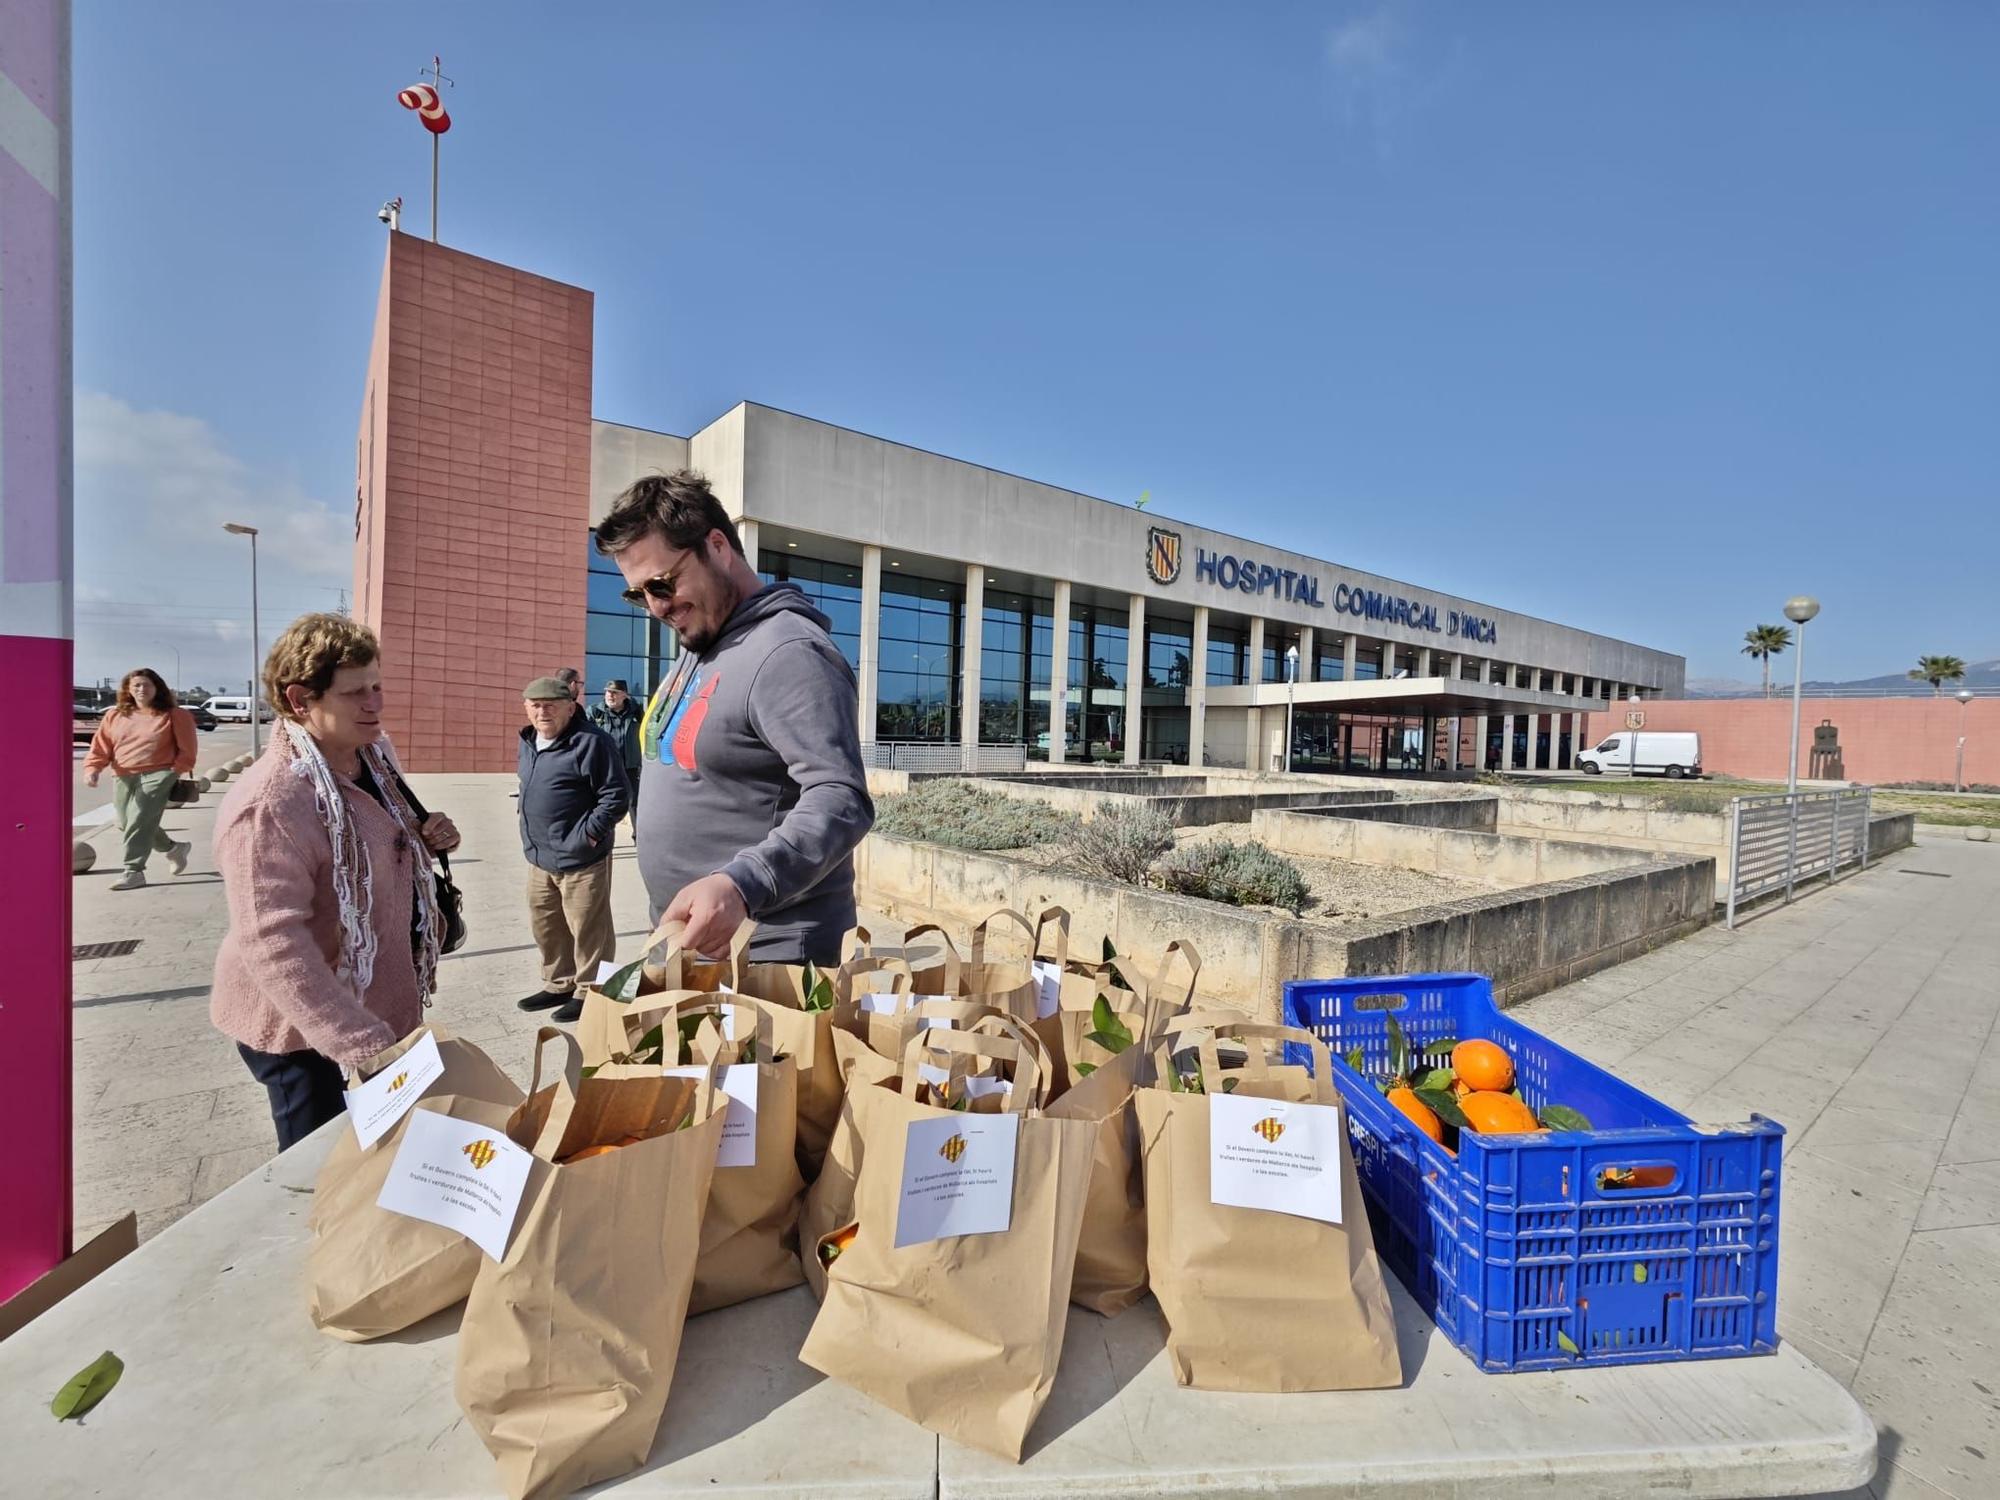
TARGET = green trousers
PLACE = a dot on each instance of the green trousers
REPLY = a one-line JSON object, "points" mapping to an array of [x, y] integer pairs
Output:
{"points": [[140, 801]]}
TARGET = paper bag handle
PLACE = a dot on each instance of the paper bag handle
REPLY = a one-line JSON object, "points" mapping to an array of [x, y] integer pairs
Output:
{"points": [[562, 1102], [979, 933], [1257, 1064], [671, 930], [1038, 1050], [763, 1029], [952, 966], [1058, 917], [900, 982], [858, 943], [960, 1044]]}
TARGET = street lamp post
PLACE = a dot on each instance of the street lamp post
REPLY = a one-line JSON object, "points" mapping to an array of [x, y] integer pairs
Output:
{"points": [[1798, 610], [256, 663], [1958, 778], [1291, 698]]}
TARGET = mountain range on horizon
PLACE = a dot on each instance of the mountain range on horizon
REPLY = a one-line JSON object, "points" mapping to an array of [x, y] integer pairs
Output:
{"points": [[1978, 675]]}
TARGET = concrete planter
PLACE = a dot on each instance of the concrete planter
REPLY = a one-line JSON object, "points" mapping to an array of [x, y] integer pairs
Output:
{"points": [[1528, 940]]}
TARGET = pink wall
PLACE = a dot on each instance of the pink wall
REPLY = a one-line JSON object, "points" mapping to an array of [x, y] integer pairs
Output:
{"points": [[35, 579], [473, 503], [1881, 739]]}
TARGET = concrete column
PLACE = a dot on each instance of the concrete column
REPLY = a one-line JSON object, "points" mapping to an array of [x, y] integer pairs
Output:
{"points": [[1479, 743], [1423, 661], [871, 640], [1308, 654], [1537, 756], [1347, 657], [1059, 676], [1507, 742], [1565, 725], [746, 532], [1255, 756], [1198, 690], [1457, 666], [968, 708], [1135, 679]]}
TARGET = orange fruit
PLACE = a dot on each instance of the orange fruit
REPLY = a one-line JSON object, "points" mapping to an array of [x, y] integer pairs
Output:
{"points": [[1421, 1114], [1492, 1113], [833, 1244], [1483, 1065]]}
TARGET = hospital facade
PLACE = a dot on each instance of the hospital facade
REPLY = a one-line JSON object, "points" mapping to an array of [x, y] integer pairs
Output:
{"points": [[990, 619]]}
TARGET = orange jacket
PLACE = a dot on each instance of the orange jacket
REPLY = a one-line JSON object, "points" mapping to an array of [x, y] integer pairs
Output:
{"points": [[134, 742]]}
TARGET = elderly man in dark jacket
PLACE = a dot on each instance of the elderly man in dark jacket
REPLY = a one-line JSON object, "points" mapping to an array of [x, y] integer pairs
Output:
{"points": [[573, 792], [620, 717]]}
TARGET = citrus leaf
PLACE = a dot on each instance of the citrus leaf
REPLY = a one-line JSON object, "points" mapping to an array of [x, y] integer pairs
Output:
{"points": [[1440, 1048], [1399, 1050], [1229, 1085], [819, 990], [1084, 1070], [654, 1042], [1561, 1117], [624, 983], [590, 1071], [1639, 1272], [88, 1386], [1109, 951], [1444, 1104], [1436, 1078], [1568, 1345], [1356, 1061]]}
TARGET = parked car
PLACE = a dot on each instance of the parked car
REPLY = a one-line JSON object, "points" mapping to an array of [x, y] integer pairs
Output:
{"points": [[236, 709], [1645, 752], [203, 719]]}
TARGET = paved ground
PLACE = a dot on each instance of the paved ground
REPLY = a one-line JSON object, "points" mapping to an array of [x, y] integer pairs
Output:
{"points": [[1862, 1018]]}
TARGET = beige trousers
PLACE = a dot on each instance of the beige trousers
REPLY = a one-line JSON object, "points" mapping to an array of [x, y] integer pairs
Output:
{"points": [[570, 915]]}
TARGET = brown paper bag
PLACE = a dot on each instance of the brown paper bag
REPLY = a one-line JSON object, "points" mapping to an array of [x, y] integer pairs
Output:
{"points": [[1257, 1300], [750, 1231], [370, 1272], [933, 970], [568, 1345], [962, 1335], [829, 1202]]}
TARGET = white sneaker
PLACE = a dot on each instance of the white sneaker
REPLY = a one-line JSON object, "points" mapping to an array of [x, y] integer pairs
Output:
{"points": [[177, 858], [131, 880]]}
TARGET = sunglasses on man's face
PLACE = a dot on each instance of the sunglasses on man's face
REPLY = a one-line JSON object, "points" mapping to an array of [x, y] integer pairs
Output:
{"points": [[660, 587]]}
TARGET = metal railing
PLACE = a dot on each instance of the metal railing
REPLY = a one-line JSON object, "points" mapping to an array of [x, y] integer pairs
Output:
{"points": [[1778, 841], [932, 755]]}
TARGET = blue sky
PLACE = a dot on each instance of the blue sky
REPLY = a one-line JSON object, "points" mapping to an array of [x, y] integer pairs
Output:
{"points": [[1641, 318]]}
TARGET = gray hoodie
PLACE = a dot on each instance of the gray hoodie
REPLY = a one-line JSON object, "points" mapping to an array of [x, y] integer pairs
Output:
{"points": [[757, 773]]}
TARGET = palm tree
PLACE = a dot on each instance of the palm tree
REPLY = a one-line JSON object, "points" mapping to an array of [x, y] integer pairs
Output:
{"points": [[1765, 642], [1937, 671]]}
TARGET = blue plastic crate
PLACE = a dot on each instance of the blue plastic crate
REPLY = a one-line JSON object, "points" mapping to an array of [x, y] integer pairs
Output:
{"points": [[1520, 1243]]}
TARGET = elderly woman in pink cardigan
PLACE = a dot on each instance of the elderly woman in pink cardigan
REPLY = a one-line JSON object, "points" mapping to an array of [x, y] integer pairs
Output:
{"points": [[334, 928]]}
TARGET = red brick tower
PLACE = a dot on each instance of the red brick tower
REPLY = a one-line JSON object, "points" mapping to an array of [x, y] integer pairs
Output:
{"points": [[472, 497]]}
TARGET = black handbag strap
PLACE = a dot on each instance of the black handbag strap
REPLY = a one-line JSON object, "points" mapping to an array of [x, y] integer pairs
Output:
{"points": [[443, 859]]}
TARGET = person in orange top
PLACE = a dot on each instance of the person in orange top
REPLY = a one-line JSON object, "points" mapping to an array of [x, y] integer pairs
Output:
{"points": [[147, 742]]}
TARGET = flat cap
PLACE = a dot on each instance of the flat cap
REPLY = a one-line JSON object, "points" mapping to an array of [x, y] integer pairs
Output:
{"points": [[545, 687]]}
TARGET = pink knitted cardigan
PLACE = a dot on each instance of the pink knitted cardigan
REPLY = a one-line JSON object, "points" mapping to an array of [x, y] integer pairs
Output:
{"points": [[277, 982]]}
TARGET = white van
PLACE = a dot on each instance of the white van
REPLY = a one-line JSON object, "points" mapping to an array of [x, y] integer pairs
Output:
{"points": [[1645, 752], [236, 710]]}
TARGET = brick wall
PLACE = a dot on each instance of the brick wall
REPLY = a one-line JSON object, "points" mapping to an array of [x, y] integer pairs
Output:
{"points": [[473, 497], [1881, 739]]}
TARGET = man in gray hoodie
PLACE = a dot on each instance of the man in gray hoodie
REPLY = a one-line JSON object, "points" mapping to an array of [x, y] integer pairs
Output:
{"points": [[755, 798]]}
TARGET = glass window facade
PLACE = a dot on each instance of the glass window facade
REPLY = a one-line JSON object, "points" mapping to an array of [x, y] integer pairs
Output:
{"points": [[618, 640], [1228, 653], [1014, 640], [1329, 658], [835, 590], [917, 676], [1095, 714]]}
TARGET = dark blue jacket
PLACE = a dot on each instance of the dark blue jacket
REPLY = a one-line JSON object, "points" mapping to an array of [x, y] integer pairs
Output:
{"points": [[572, 796]]}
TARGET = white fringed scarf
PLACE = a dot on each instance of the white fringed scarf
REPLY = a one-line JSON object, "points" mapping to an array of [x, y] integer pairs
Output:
{"points": [[353, 875]]}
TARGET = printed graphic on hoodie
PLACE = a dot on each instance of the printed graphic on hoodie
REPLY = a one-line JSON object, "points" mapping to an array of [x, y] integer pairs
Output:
{"points": [[684, 728]]}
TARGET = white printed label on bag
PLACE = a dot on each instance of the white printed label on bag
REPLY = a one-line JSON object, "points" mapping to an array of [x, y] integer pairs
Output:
{"points": [[977, 1085], [379, 1103], [958, 1177], [882, 1004], [605, 970], [739, 1128], [1048, 988], [1284, 1158], [460, 1174]]}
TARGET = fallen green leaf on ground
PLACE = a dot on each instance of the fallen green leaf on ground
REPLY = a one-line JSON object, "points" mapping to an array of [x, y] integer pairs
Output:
{"points": [[88, 1386]]}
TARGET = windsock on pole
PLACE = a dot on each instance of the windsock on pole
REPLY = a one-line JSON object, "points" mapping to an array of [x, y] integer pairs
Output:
{"points": [[423, 98]]}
